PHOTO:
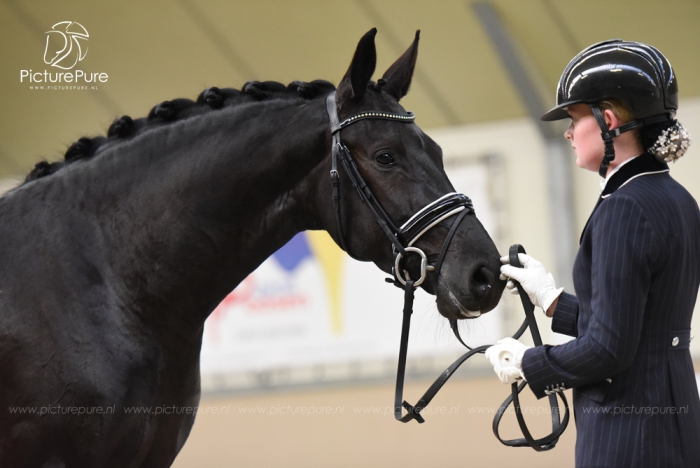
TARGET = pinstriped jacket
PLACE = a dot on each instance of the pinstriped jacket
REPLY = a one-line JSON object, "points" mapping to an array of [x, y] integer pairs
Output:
{"points": [[636, 278]]}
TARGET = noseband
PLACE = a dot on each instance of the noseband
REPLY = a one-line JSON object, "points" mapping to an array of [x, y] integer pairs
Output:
{"points": [[402, 239]]}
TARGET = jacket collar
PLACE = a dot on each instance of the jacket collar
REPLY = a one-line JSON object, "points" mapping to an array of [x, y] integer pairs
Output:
{"points": [[645, 164], [642, 165]]}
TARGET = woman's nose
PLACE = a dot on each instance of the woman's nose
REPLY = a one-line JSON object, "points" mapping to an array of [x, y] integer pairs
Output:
{"points": [[568, 134]]}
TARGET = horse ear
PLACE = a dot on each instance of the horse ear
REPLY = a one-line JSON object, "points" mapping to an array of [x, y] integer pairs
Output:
{"points": [[353, 85], [398, 76]]}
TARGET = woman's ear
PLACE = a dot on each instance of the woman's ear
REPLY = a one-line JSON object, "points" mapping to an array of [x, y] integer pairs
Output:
{"points": [[611, 119]]}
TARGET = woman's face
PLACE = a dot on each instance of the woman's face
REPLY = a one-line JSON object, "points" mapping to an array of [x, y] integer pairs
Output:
{"points": [[584, 135]]}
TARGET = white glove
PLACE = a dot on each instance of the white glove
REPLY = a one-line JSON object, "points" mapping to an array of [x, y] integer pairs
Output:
{"points": [[537, 283], [506, 357]]}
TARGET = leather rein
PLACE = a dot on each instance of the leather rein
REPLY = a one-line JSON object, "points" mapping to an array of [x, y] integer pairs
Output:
{"points": [[402, 239], [413, 411]]}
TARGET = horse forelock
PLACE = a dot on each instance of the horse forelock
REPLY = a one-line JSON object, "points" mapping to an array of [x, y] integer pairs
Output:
{"points": [[166, 113]]}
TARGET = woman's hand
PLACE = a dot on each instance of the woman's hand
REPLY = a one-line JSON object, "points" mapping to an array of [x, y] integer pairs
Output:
{"points": [[537, 283], [506, 358]]}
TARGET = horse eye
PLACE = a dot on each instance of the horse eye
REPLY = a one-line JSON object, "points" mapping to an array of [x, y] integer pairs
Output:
{"points": [[385, 159]]}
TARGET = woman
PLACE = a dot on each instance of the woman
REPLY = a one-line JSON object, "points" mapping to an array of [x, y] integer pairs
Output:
{"points": [[636, 274]]}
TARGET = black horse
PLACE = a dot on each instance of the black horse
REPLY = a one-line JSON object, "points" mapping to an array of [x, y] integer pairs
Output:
{"points": [[112, 259]]}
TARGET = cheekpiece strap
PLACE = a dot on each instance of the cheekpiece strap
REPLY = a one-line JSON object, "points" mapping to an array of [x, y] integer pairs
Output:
{"points": [[332, 109], [340, 153], [336, 148]]}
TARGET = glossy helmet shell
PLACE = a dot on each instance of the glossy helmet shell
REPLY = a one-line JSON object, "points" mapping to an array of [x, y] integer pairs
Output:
{"points": [[637, 74]]}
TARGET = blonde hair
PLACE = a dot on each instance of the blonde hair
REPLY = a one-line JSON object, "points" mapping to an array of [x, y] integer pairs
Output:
{"points": [[621, 111], [618, 108]]}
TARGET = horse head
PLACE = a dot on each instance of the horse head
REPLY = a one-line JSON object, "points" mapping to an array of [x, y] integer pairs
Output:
{"points": [[403, 169]]}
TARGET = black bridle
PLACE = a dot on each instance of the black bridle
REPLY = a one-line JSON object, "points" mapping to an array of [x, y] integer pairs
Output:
{"points": [[402, 239]]}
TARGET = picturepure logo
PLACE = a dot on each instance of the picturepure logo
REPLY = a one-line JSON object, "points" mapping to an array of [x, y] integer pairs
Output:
{"points": [[66, 46], [63, 44]]}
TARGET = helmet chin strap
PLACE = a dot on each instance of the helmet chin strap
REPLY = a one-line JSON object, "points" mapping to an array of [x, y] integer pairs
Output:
{"points": [[607, 136]]}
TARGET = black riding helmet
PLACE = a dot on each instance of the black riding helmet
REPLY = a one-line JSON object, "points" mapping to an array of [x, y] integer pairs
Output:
{"points": [[634, 73]]}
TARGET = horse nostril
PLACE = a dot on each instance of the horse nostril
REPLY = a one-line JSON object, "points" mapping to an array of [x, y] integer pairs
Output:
{"points": [[481, 281], [483, 289]]}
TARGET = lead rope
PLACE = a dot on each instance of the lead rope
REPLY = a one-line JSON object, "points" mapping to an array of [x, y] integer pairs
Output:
{"points": [[543, 444]]}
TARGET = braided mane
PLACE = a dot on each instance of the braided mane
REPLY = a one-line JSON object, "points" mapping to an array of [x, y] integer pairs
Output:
{"points": [[209, 100]]}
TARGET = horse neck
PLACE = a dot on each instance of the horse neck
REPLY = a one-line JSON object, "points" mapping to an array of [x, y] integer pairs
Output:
{"points": [[209, 199]]}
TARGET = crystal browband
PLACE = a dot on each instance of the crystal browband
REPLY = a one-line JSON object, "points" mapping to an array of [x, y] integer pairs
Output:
{"points": [[407, 117]]}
